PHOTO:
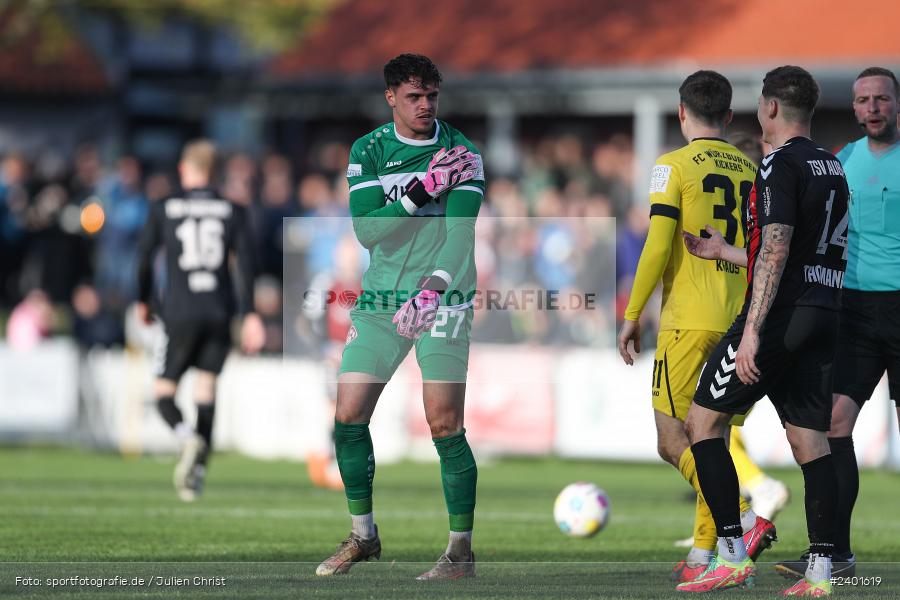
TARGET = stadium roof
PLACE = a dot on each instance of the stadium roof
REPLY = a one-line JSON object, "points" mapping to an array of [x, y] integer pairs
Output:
{"points": [[32, 63], [506, 36]]}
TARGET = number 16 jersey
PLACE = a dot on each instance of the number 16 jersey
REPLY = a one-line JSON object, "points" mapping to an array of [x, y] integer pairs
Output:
{"points": [[198, 230], [704, 183]]}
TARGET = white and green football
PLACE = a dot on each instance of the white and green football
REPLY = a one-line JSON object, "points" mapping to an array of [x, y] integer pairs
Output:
{"points": [[581, 509]]}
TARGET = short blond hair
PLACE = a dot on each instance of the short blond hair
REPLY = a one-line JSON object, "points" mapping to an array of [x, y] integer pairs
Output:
{"points": [[201, 155]]}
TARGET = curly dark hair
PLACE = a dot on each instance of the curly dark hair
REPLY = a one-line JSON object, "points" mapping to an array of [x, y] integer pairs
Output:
{"points": [[411, 67], [794, 88]]}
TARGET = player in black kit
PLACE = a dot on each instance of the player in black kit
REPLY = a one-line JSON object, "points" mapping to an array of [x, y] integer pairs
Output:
{"points": [[198, 231], [782, 343]]}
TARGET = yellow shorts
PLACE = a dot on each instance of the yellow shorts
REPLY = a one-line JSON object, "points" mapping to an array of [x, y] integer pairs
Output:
{"points": [[680, 356]]}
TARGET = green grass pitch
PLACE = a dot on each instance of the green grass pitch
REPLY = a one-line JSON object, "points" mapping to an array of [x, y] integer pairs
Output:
{"points": [[262, 528]]}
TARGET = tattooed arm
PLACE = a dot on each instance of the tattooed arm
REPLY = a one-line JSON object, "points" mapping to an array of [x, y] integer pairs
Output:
{"points": [[776, 243]]}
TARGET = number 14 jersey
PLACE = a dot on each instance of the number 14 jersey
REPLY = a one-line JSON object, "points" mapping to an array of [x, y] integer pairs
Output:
{"points": [[706, 182], [804, 186]]}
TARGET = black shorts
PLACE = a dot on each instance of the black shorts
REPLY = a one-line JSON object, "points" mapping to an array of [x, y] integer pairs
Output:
{"points": [[795, 358], [868, 344], [201, 344]]}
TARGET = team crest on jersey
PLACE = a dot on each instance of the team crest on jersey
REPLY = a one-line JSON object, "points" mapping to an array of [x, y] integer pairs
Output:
{"points": [[351, 335]]}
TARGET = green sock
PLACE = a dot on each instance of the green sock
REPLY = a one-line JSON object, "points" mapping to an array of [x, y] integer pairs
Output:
{"points": [[458, 476], [353, 449]]}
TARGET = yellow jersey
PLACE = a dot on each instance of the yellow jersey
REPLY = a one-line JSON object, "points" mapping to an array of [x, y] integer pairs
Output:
{"points": [[706, 182]]}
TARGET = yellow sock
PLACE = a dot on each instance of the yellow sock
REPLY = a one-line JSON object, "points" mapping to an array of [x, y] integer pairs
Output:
{"points": [[704, 526], [749, 474], [705, 536], [688, 469]]}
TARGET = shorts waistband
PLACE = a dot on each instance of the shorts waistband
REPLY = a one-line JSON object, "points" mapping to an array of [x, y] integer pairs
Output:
{"points": [[885, 296]]}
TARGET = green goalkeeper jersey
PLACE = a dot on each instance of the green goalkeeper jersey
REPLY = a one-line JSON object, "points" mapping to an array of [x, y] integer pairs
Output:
{"points": [[407, 243]]}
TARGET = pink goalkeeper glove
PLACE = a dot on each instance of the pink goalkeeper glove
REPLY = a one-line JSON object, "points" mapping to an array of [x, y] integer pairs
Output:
{"points": [[417, 314], [449, 168]]}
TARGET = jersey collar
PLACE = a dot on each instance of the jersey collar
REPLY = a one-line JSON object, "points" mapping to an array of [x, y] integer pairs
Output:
{"points": [[893, 147], [796, 139], [428, 142], [711, 139]]}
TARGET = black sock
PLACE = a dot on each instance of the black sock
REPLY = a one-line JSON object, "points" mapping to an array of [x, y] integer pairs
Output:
{"points": [[820, 482], [169, 411], [847, 470], [205, 414], [719, 482]]}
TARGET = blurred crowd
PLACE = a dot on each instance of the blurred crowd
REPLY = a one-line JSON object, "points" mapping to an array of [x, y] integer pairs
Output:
{"points": [[67, 268]]}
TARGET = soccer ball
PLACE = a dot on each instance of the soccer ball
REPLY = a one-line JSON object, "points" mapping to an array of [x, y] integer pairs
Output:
{"points": [[581, 509]]}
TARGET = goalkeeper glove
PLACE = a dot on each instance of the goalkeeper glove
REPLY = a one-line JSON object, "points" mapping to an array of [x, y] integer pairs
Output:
{"points": [[446, 170], [419, 313]]}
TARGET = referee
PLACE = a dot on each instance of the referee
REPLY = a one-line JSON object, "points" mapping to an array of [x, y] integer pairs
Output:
{"points": [[869, 337]]}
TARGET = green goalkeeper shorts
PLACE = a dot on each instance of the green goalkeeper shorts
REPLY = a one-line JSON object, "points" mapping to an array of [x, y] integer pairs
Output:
{"points": [[374, 347]]}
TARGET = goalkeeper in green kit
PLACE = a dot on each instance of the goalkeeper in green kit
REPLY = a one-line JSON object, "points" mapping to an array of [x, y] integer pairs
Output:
{"points": [[416, 185]]}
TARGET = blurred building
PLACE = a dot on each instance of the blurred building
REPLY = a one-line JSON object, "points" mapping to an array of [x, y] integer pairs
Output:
{"points": [[514, 67], [570, 103], [55, 90]]}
